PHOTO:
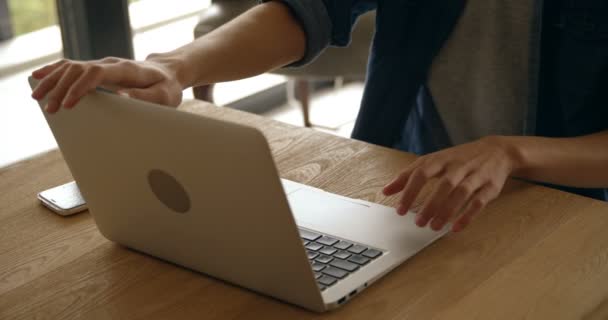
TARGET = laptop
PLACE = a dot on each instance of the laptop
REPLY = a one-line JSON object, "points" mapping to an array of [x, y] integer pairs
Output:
{"points": [[205, 194]]}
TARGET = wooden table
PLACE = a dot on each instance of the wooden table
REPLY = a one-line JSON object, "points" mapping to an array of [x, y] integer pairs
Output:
{"points": [[535, 253]]}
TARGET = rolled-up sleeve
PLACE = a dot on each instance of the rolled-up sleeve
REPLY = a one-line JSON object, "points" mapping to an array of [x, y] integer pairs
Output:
{"points": [[325, 22]]}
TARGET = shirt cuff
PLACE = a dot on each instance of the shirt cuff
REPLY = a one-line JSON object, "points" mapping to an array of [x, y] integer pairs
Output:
{"points": [[313, 16]]}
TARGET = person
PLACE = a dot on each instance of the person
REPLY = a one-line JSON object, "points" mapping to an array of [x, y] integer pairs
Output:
{"points": [[470, 85]]}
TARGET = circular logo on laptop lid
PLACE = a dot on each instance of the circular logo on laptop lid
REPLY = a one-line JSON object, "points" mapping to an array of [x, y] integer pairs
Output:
{"points": [[169, 191]]}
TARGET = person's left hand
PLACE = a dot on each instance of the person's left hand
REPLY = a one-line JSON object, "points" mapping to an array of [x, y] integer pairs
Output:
{"points": [[470, 176]]}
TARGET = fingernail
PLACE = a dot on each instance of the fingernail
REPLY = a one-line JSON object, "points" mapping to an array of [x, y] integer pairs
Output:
{"points": [[124, 94], [51, 107], [402, 210], [68, 103], [421, 221]]}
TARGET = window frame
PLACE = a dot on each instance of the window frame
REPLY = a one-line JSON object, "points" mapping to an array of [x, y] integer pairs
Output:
{"points": [[95, 29]]}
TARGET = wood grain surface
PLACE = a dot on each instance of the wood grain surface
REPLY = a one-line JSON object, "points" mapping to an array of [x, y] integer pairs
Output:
{"points": [[535, 253]]}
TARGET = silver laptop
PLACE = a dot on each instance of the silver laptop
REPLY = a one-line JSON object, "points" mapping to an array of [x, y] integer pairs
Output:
{"points": [[205, 194]]}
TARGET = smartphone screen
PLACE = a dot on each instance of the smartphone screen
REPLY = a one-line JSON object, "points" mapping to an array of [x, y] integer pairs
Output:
{"points": [[64, 199]]}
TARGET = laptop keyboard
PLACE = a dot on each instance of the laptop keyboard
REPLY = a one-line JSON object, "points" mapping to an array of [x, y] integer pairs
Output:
{"points": [[332, 259]]}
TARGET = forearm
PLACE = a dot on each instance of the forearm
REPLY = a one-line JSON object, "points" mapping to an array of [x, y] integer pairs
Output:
{"points": [[577, 162], [264, 38]]}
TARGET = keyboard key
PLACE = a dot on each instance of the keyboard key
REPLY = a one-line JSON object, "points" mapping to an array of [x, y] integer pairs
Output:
{"points": [[360, 260], [311, 254], [317, 266], [328, 241], [372, 253], [324, 259], [342, 255], [345, 265], [335, 272], [343, 245], [328, 250], [309, 235], [356, 249], [327, 280], [333, 259], [314, 246]]}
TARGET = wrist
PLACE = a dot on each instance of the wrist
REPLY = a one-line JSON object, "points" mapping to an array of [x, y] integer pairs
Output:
{"points": [[174, 64], [514, 150]]}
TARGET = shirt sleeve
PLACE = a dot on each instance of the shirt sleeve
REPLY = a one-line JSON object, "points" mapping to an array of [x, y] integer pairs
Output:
{"points": [[326, 22]]}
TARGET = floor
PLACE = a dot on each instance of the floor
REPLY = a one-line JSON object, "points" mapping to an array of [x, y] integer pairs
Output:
{"points": [[332, 110]]}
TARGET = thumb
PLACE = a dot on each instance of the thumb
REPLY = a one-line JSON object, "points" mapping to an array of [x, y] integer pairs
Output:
{"points": [[158, 93], [139, 94], [147, 94]]}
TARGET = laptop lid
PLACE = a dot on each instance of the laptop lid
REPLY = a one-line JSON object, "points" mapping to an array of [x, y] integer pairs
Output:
{"points": [[196, 191]]}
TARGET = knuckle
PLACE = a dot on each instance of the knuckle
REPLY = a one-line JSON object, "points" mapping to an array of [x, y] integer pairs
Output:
{"points": [[463, 190], [124, 63], [448, 182], [94, 71], [75, 67], [494, 187], [478, 203], [110, 60], [421, 173]]}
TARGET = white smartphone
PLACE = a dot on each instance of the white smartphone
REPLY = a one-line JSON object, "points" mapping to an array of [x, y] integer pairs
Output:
{"points": [[64, 200]]}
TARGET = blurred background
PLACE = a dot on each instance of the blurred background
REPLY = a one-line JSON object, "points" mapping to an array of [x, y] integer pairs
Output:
{"points": [[37, 32]]}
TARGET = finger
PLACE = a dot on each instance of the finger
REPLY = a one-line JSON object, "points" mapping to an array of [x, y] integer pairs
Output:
{"points": [[48, 69], [129, 74], [434, 207], [455, 201], [477, 203], [398, 183], [57, 96], [110, 60], [88, 80], [419, 177], [48, 83]]}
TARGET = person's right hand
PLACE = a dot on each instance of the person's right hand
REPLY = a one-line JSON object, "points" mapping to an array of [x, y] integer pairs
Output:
{"points": [[66, 82]]}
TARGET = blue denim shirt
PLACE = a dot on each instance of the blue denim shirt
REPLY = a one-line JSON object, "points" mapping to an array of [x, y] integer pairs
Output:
{"points": [[569, 66]]}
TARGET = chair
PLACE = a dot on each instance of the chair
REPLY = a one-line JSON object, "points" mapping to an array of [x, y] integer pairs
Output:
{"points": [[332, 64]]}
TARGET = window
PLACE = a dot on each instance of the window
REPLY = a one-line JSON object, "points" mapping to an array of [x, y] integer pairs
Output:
{"points": [[30, 15], [35, 40]]}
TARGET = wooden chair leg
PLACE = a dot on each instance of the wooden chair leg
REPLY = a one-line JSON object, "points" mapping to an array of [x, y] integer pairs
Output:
{"points": [[302, 94], [204, 93]]}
